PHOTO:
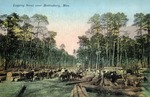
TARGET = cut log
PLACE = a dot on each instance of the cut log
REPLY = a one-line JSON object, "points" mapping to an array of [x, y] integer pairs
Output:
{"points": [[2, 73], [134, 89], [95, 81], [78, 91], [85, 79], [9, 76], [106, 83], [71, 95], [75, 91], [88, 77], [16, 78], [106, 89], [120, 81], [75, 82], [2, 78], [130, 88], [84, 92], [81, 91]]}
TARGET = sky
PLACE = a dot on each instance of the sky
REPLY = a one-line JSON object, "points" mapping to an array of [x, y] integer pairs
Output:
{"points": [[70, 21]]}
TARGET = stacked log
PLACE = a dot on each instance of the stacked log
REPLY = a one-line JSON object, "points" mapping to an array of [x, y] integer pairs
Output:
{"points": [[127, 86], [16, 76], [2, 76], [9, 76]]}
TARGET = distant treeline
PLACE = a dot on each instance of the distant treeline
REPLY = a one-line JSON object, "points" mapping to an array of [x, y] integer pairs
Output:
{"points": [[25, 41], [98, 49]]}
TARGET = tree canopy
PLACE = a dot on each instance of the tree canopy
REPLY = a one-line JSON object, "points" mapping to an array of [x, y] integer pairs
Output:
{"points": [[19, 47], [107, 47]]}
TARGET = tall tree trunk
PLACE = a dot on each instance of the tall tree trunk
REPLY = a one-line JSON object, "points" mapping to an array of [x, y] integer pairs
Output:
{"points": [[6, 63], [126, 57], [97, 61], [148, 57], [113, 56], [110, 57], [118, 54], [142, 46], [120, 58], [98, 46], [107, 52]]}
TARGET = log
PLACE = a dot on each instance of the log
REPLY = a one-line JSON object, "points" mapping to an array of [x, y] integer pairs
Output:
{"points": [[16, 78], [106, 89], [120, 81], [84, 92], [75, 82], [85, 79], [134, 89], [81, 91], [75, 91], [2, 78], [71, 95], [106, 83], [2, 73], [78, 91], [88, 77], [95, 81], [16, 73], [9, 76], [126, 88]]}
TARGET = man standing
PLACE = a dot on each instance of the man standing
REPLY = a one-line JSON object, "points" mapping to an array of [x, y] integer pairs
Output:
{"points": [[102, 78]]}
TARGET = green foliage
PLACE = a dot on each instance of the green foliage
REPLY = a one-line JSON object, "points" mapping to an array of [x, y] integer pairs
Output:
{"points": [[19, 48], [40, 18], [95, 23]]}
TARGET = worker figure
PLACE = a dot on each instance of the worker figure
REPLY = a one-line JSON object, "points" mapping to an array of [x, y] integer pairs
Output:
{"points": [[102, 78]]}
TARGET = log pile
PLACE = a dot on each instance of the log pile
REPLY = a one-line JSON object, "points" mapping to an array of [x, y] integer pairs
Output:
{"points": [[27, 74], [128, 91], [126, 86]]}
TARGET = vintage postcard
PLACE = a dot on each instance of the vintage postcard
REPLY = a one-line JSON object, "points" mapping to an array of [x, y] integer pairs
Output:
{"points": [[74, 48]]}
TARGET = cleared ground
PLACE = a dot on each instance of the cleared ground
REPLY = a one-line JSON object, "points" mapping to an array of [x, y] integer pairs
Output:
{"points": [[44, 88], [51, 88]]}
